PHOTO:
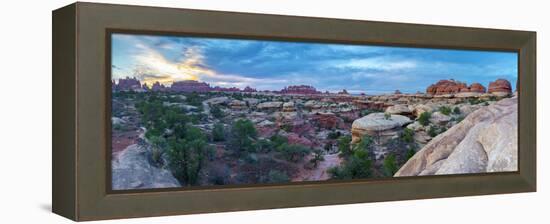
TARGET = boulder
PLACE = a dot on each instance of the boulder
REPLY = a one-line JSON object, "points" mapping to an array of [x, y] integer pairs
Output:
{"points": [[328, 120], [288, 107], [399, 109], [416, 126], [485, 141], [132, 170], [217, 100], [238, 105], [421, 108], [439, 118], [251, 101], [269, 105], [117, 121], [377, 124]]}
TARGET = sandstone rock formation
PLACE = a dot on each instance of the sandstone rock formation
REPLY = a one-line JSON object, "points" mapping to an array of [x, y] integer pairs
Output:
{"points": [[500, 87], [376, 124], [327, 120], [443, 87], [399, 109], [301, 89], [485, 141], [237, 105], [132, 170]]}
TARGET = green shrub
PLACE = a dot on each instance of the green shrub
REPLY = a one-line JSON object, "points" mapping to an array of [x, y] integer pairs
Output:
{"points": [[456, 110], [218, 132], [387, 116], [390, 165], [432, 131], [407, 135], [293, 152], [217, 112], [445, 110], [424, 118], [277, 140], [264, 145], [344, 145], [187, 151], [364, 144], [334, 135], [317, 157], [243, 136], [410, 153], [357, 165]]}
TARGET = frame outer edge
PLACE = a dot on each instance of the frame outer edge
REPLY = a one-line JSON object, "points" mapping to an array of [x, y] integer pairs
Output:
{"points": [[529, 127], [94, 203], [64, 112]]}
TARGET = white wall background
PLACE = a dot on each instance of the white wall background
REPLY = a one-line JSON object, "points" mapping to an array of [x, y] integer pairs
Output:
{"points": [[25, 112]]}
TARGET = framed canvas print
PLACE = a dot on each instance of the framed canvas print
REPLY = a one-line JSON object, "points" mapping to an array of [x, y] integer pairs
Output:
{"points": [[202, 111]]}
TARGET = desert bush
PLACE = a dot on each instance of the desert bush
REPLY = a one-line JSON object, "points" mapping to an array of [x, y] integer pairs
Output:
{"points": [[424, 118], [432, 131], [293, 152], [407, 135], [217, 112], [344, 145], [390, 165], [456, 110], [387, 116], [243, 136], [187, 151], [445, 110], [218, 132], [317, 157], [334, 134], [410, 153], [358, 165]]}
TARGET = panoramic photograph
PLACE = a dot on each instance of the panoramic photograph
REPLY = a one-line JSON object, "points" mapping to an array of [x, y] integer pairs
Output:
{"points": [[197, 111]]}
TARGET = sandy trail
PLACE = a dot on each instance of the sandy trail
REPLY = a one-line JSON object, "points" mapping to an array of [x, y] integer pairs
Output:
{"points": [[319, 173]]}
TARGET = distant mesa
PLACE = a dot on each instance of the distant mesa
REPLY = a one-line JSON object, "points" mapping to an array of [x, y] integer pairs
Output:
{"points": [[451, 87], [500, 86], [301, 89], [190, 86], [343, 92], [397, 92], [127, 84], [158, 87], [249, 89]]}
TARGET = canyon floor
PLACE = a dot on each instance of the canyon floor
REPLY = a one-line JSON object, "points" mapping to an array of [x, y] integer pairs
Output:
{"points": [[297, 137]]}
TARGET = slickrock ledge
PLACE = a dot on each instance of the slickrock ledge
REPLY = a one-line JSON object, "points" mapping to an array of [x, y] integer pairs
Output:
{"points": [[485, 141]]}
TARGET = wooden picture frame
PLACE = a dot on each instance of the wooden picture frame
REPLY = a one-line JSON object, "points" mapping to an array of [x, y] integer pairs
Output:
{"points": [[81, 107]]}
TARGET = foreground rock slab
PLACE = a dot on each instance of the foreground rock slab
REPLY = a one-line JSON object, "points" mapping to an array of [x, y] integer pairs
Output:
{"points": [[132, 170], [485, 141]]}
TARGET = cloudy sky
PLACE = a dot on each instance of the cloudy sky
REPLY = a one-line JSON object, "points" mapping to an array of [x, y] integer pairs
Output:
{"points": [[272, 65]]}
